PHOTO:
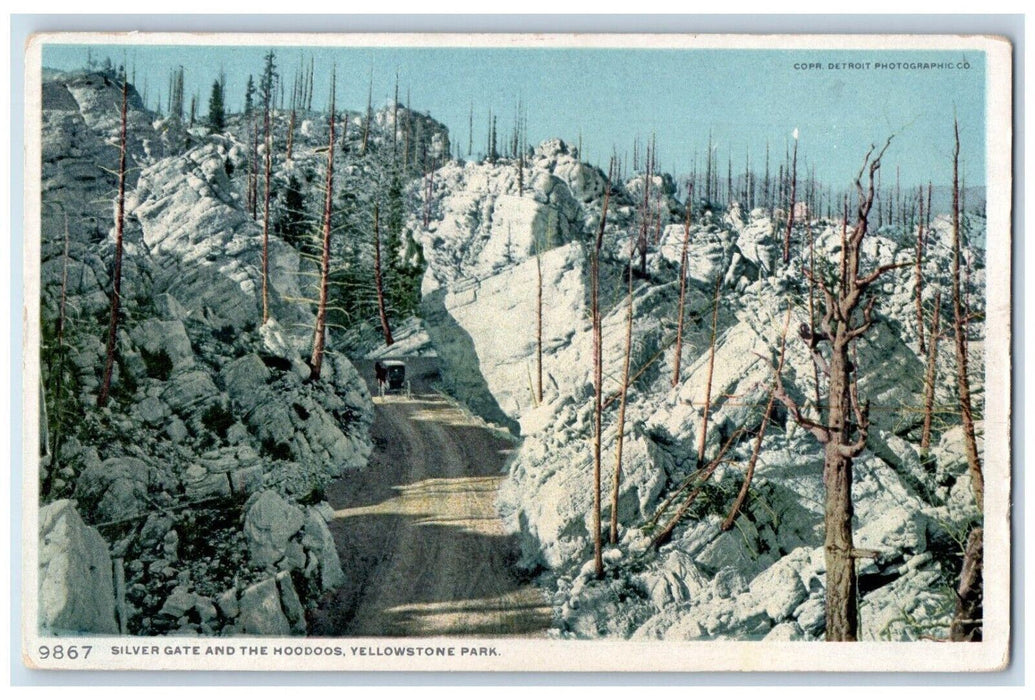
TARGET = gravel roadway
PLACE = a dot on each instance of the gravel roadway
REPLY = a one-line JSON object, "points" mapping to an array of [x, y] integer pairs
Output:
{"points": [[422, 547]]}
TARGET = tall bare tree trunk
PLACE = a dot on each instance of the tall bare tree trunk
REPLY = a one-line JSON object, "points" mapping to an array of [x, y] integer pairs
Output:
{"points": [[370, 114], [790, 210], [842, 614], [677, 360], [930, 375], [967, 621], [395, 120], [254, 184], [266, 223], [116, 273], [711, 370], [598, 380], [539, 323], [919, 284], [316, 361], [960, 328], [812, 298], [844, 432], [645, 223], [623, 396], [382, 310], [58, 392], [291, 134]]}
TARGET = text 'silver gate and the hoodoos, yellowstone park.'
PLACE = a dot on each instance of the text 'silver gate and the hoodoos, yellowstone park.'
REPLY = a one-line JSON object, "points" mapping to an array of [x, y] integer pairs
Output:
{"points": [[514, 352]]}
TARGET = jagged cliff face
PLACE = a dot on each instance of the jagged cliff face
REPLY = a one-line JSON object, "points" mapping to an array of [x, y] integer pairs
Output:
{"points": [[764, 578], [194, 473]]}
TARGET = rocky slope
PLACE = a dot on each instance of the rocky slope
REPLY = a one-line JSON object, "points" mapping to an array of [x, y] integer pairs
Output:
{"points": [[763, 578], [201, 481]]}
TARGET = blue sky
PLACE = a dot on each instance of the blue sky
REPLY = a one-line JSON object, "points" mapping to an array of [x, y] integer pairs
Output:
{"points": [[616, 95]]}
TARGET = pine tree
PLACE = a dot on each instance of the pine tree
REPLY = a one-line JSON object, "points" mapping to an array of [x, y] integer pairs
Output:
{"points": [[216, 111], [268, 82], [292, 224], [249, 95], [677, 360]]}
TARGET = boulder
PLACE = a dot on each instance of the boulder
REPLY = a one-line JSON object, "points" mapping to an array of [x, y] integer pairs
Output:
{"points": [[76, 592], [779, 588], [168, 338], [244, 378], [118, 487], [189, 389], [290, 604], [269, 525], [317, 539], [261, 612]]}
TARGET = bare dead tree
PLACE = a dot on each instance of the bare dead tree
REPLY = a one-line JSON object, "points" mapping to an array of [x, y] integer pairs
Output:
{"points": [[395, 120], [960, 333], [370, 114], [429, 190], [967, 621], [641, 244], [319, 334], [919, 283], [539, 322], [711, 370], [291, 119], [682, 285], [845, 429], [927, 226], [382, 310], [700, 476], [253, 173], [59, 373], [623, 396], [268, 167], [598, 377], [812, 293], [116, 272], [767, 201], [657, 220], [752, 462], [930, 375], [790, 209]]}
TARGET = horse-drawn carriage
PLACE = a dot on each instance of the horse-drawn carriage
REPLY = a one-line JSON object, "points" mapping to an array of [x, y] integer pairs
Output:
{"points": [[391, 375]]}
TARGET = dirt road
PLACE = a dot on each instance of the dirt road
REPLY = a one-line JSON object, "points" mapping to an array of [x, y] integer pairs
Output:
{"points": [[417, 532]]}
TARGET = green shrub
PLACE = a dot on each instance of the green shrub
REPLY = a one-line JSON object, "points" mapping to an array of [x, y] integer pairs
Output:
{"points": [[158, 364], [218, 419]]}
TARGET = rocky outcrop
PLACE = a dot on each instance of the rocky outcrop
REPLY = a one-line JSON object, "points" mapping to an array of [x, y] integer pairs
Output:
{"points": [[764, 578], [211, 411]]}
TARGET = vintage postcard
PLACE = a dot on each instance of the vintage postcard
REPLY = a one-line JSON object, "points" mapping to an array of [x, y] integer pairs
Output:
{"points": [[517, 352]]}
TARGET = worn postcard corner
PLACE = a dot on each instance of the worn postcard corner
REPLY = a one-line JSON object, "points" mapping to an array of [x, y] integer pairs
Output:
{"points": [[517, 352]]}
